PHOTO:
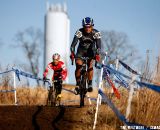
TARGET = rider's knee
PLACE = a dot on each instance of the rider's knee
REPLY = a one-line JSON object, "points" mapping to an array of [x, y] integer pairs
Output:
{"points": [[90, 69], [78, 67], [90, 63]]}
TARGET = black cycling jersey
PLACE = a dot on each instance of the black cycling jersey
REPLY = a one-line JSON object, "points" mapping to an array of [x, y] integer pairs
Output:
{"points": [[89, 43]]}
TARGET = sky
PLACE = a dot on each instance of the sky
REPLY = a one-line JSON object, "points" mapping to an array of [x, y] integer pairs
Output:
{"points": [[139, 19]]}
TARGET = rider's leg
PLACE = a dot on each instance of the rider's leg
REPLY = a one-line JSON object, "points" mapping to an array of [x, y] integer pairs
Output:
{"points": [[58, 90], [79, 63], [90, 74], [58, 86]]}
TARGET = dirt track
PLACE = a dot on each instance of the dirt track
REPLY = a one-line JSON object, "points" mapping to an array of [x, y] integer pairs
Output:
{"points": [[48, 118]]}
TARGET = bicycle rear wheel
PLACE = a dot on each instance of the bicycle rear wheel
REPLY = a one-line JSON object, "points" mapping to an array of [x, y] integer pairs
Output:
{"points": [[50, 99]]}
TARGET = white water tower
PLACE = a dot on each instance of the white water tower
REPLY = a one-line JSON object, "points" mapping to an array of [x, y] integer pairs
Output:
{"points": [[57, 30]]}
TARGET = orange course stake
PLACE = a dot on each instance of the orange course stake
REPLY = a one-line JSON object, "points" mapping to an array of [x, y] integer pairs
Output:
{"points": [[116, 92]]}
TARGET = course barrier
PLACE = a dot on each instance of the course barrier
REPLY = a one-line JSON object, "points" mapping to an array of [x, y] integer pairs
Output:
{"points": [[118, 114], [141, 84], [14, 85], [106, 71]]}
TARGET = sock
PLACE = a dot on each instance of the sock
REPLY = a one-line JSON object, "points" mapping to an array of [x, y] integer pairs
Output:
{"points": [[90, 82]]}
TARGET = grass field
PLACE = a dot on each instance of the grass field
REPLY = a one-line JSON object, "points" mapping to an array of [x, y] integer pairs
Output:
{"points": [[145, 105]]}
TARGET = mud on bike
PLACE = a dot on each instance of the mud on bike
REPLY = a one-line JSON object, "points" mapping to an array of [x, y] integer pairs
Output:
{"points": [[54, 98]]}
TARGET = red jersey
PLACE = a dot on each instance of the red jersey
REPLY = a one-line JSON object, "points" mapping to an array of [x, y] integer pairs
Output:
{"points": [[59, 70]]}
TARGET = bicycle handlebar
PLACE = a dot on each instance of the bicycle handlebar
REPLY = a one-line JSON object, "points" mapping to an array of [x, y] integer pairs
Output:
{"points": [[47, 81], [86, 58]]}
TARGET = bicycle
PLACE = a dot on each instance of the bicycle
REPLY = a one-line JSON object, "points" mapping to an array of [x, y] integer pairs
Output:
{"points": [[54, 98], [83, 80]]}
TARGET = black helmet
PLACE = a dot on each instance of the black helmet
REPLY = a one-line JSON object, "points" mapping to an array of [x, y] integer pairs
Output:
{"points": [[87, 22]]}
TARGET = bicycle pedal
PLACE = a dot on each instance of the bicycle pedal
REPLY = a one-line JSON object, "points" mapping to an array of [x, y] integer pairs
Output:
{"points": [[76, 91]]}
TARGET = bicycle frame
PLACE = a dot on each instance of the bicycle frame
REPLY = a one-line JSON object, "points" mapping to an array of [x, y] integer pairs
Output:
{"points": [[52, 99], [83, 81]]}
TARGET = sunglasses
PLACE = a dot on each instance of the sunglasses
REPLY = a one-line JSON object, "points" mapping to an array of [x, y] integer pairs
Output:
{"points": [[87, 26]]}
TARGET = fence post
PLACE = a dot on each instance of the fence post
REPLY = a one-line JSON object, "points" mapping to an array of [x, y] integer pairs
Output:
{"points": [[99, 98], [117, 64], [15, 93], [131, 86]]}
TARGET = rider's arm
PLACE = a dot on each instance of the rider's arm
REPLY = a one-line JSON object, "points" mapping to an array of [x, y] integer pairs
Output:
{"points": [[98, 45], [77, 35], [97, 37], [46, 71]]}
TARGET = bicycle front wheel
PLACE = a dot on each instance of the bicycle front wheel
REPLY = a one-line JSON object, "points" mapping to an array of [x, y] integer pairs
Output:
{"points": [[50, 99], [82, 92], [82, 96]]}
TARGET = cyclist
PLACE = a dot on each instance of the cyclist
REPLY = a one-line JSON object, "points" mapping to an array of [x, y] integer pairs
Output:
{"points": [[89, 40], [60, 72]]}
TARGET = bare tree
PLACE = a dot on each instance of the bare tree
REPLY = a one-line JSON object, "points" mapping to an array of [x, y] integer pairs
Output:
{"points": [[30, 40], [146, 70], [156, 71], [116, 44]]}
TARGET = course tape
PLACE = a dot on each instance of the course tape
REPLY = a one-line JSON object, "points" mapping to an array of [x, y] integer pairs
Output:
{"points": [[6, 72], [141, 84], [6, 91], [68, 90], [121, 81], [133, 71], [18, 73], [128, 68], [118, 114], [115, 71], [150, 86]]}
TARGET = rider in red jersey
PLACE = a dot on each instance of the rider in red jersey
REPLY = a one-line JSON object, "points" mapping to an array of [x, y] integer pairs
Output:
{"points": [[60, 71]]}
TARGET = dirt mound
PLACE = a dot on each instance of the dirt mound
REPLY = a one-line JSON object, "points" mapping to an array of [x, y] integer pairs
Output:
{"points": [[54, 118]]}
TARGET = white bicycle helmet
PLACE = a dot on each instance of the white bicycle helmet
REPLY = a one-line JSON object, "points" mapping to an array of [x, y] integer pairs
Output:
{"points": [[56, 56]]}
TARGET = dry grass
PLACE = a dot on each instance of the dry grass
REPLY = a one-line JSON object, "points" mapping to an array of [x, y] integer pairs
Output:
{"points": [[145, 108], [6, 98], [25, 96], [5, 84], [31, 96]]}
